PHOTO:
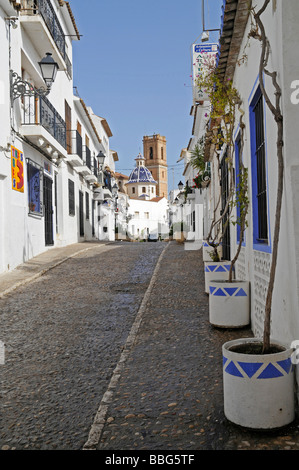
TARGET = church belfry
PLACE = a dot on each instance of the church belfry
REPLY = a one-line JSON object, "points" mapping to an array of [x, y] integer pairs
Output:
{"points": [[154, 152]]}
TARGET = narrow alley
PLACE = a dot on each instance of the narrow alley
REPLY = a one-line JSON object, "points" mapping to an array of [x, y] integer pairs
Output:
{"points": [[119, 356]]}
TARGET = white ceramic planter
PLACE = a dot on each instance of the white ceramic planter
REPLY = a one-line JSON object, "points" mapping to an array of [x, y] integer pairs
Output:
{"points": [[215, 270], [206, 249], [229, 303], [258, 389]]}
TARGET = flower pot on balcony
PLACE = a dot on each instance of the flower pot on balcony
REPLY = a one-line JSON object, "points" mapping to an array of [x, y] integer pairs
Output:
{"points": [[229, 303], [258, 388], [215, 270]]}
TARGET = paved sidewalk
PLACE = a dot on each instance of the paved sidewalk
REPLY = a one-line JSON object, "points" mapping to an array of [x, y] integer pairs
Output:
{"points": [[166, 392], [40, 264]]}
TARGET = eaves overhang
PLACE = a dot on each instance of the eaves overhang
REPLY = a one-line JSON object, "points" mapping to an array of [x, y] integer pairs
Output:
{"points": [[235, 14], [234, 20]]}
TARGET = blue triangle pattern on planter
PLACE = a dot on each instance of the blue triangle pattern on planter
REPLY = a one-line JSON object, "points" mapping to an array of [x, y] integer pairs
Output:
{"points": [[212, 268], [219, 292], [270, 372], [241, 293], [286, 364], [212, 289], [224, 360], [233, 370], [220, 269], [250, 367], [230, 290]]}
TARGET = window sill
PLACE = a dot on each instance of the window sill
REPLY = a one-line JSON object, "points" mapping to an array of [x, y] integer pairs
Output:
{"points": [[35, 215]]}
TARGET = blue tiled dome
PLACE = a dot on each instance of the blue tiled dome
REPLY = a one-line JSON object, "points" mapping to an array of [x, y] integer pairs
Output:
{"points": [[141, 174]]}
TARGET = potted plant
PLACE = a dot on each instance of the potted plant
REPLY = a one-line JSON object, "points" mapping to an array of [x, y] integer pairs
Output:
{"points": [[229, 302], [223, 99], [229, 299], [258, 374]]}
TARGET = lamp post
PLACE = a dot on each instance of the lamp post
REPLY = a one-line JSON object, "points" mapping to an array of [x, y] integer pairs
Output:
{"points": [[49, 69], [180, 186], [114, 199], [101, 159], [19, 87]]}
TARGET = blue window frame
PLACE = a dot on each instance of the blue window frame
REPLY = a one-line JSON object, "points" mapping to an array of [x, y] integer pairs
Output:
{"points": [[260, 217]]}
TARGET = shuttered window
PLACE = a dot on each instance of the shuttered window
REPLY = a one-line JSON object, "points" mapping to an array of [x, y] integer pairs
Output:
{"points": [[71, 197]]}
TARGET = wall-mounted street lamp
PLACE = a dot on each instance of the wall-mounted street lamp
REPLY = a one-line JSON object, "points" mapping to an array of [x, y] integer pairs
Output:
{"points": [[114, 190], [49, 69], [19, 87], [101, 159], [180, 186]]}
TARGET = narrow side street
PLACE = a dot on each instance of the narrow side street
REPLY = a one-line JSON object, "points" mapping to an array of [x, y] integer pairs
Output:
{"points": [[63, 336], [119, 359]]}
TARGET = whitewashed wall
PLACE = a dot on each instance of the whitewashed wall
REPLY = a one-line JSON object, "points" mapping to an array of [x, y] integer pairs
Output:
{"points": [[22, 235], [156, 222], [255, 264]]}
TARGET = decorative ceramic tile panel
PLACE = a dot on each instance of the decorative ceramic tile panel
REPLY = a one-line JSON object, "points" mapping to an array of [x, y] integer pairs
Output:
{"points": [[241, 266], [261, 266]]}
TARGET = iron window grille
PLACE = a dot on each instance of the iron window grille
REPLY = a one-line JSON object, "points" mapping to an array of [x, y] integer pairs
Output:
{"points": [[261, 192], [224, 197]]}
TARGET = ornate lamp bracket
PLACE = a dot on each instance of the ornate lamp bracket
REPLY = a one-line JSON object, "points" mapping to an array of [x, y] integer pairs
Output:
{"points": [[19, 87]]}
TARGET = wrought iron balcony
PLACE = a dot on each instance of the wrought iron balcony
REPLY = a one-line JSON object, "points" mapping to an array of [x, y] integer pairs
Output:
{"points": [[87, 157], [95, 167], [45, 9], [74, 148], [38, 111]]}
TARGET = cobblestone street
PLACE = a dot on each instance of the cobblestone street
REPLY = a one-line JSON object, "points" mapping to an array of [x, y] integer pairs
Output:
{"points": [[113, 350]]}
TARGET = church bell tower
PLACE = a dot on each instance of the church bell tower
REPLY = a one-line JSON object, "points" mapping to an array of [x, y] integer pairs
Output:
{"points": [[154, 152]]}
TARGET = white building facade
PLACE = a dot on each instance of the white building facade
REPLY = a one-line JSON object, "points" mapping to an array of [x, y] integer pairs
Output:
{"points": [[280, 20], [147, 214], [48, 143]]}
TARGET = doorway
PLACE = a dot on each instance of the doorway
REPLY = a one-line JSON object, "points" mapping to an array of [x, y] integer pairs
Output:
{"points": [[48, 208]]}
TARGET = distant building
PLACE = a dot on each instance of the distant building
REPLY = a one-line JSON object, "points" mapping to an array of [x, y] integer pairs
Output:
{"points": [[141, 183], [147, 213], [154, 151]]}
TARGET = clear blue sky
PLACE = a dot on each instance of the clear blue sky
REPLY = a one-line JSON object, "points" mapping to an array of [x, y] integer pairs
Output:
{"points": [[133, 65]]}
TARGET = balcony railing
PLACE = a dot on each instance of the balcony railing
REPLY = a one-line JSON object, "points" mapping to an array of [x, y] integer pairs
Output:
{"points": [[95, 167], [68, 65], [87, 157], [107, 181], [46, 10], [39, 111], [74, 143]]}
